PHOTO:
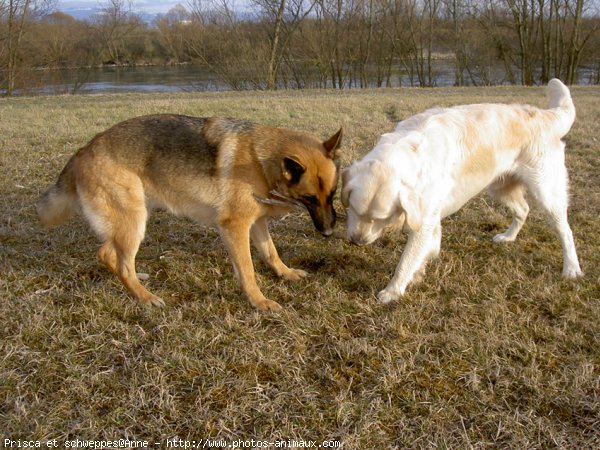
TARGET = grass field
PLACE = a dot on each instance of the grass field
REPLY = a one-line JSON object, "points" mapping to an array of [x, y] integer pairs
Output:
{"points": [[492, 350]]}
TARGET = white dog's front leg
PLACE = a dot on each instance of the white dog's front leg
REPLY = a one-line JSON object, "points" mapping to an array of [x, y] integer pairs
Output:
{"points": [[420, 246]]}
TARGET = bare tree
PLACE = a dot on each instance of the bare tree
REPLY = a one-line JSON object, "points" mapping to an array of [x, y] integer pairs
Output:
{"points": [[526, 14], [18, 16], [58, 29], [219, 41], [494, 21], [114, 24], [319, 43], [283, 17], [334, 41], [577, 38], [457, 12], [173, 28], [422, 16]]}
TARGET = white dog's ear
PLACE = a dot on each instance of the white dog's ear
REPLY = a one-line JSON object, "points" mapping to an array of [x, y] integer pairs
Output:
{"points": [[346, 186], [411, 204]]}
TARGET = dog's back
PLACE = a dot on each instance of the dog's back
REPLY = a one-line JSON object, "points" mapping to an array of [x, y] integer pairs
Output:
{"points": [[175, 156], [173, 142], [489, 118], [185, 163]]}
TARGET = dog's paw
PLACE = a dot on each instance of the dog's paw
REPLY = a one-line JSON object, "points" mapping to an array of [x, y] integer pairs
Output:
{"points": [[571, 273], [153, 300], [293, 274], [503, 238], [267, 305], [418, 276], [384, 297]]}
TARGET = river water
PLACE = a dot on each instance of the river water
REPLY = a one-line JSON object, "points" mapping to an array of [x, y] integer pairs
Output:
{"points": [[181, 78], [184, 78]]}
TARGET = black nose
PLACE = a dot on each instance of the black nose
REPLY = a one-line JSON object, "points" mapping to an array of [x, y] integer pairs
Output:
{"points": [[323, 220]]}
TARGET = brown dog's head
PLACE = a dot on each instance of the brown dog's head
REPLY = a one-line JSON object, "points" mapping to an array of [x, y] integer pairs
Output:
{"points": [[310, 172]]}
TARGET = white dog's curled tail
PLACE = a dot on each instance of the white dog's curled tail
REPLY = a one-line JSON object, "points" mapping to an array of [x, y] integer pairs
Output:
{"points": [[560, 101]]}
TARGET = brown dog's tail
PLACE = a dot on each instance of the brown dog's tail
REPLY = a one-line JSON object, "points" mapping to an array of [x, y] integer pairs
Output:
{"points": [[59, 203]]}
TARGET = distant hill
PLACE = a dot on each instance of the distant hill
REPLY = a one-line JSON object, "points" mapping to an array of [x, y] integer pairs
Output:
{"points": [[84, 10]]}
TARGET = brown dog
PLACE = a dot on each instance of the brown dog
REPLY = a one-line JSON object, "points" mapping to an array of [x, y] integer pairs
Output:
{"points": [[227, 172]]}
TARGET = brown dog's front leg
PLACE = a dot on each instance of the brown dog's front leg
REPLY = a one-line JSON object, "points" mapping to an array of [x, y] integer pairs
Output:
{"points": [[264, 244], [236, 236]]}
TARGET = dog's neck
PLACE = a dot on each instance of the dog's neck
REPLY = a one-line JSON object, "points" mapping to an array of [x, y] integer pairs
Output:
{"points": [[275, 181], [272, 172]]}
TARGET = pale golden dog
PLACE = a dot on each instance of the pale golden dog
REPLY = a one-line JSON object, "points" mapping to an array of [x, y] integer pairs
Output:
{"points": [[434, 162]]}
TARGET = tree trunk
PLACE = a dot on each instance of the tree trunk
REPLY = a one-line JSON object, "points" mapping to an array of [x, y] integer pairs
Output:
{"points": [[272, 64], [15, 25]]}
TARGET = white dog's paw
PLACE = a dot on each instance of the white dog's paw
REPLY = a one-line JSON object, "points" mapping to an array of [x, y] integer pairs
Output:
{"points": [[386, 297], [571, 273], [502, 238]]}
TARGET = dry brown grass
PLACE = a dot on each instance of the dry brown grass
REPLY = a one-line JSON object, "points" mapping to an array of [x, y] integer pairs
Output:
{"points": [[492, 350]]}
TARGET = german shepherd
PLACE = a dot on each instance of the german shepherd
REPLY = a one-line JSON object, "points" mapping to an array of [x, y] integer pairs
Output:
{"points": [[227, 172]]}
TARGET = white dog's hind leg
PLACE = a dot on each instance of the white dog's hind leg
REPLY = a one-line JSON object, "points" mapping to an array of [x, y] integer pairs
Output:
{"points": [[512, 193], [571, 267], [552, 197], [420, 247]]}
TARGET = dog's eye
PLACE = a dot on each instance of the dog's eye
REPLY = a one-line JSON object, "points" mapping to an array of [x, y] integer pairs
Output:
{"points": [[310, 199]]}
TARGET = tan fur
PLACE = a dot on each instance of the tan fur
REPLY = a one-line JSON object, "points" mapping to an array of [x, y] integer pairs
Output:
{"points": [[212, 170]]}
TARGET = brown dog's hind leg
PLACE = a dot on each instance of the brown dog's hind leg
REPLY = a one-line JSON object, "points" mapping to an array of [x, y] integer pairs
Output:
{"points": [[122, 263], [115, 207], [126, 251], [108, 256]]}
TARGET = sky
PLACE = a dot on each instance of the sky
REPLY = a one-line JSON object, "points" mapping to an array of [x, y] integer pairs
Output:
{"points": [[81, 9]]}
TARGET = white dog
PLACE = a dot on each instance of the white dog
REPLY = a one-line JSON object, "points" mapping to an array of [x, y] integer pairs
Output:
{"points": [[434, 162]]}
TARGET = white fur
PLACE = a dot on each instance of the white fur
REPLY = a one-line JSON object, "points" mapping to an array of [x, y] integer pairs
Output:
{"points": [[436, 161]]}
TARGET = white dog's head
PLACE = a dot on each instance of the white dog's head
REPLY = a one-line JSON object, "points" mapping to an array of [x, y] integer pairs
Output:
{"points": [[375, 198]]}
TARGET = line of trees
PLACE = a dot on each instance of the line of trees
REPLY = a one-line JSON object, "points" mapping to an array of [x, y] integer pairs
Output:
{"points": [[315, 43]]}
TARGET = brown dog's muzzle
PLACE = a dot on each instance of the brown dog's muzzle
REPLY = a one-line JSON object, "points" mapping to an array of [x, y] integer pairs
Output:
{"points": [[323, 218]]}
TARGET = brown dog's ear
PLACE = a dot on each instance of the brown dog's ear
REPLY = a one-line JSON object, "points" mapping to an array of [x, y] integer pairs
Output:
{"points": [[332, 145], [292, 169]]}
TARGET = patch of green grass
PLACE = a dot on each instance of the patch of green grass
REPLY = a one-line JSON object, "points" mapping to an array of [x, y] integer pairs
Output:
{"points": [[492, 350]]}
